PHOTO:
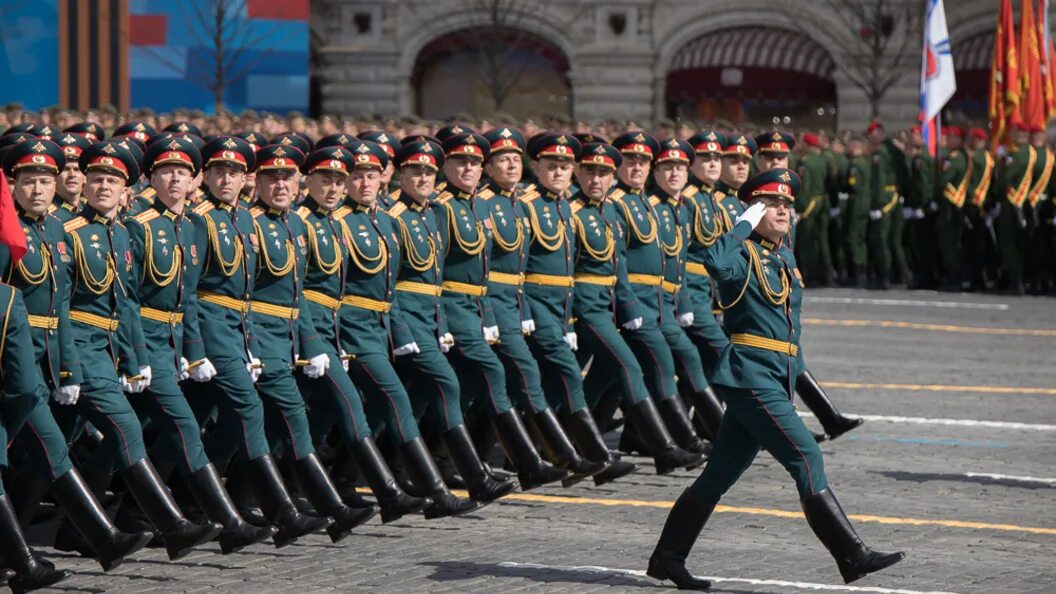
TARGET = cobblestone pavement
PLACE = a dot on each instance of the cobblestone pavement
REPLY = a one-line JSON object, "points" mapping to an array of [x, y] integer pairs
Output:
{"points": [[954, 472]]}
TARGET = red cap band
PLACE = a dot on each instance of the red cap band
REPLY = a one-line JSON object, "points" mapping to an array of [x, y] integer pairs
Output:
{"points": [[112, 164]]}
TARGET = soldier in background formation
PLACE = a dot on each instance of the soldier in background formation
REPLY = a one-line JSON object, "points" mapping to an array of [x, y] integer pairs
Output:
{"points": [[382, 309]]}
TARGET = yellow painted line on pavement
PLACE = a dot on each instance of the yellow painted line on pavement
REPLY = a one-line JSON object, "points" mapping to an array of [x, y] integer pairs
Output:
{"points": [[777, 513], [941, 388], [1043, 332]]}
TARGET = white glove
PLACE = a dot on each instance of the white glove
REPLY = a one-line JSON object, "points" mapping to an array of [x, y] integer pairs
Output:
{"points": [[634, 324], [918, 213], [203, 371], [446, 342], [834, 212], [843, 196], [491, 334], [753, 215], [527, 326], [407, 349], [907, 213], [344, 360], [183, 373], [254, 367], [317, 366], [138, 386], [66, 395], [572, 340], [686, 320], [933, 206], [876, 215]]}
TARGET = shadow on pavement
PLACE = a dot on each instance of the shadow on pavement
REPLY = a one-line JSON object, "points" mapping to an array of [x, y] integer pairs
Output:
{"points": [[924, 477]]}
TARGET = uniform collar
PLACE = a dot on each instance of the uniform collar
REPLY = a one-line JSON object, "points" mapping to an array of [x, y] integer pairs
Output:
{"points": [[411, 204], [664, 196], [219, 203], [494, 187], [25, 214], [315, 206], [94, 216], [462, 195], [628, 189], [164, 211], [701, 184], [764, 242]]}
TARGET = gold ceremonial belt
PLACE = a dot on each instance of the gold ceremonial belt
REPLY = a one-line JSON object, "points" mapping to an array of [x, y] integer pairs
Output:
{"points": [[652, 280], [366, 303], [505, 278], [420, 288], [224, 301], [91, 319], [322, 299], [596, 279], [465, 288], [275, 311], [769, 344], [549, 280], [697, 269], [45, 322], [165, 317]]}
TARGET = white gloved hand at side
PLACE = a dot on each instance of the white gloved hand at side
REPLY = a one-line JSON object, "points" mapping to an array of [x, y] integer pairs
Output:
{"points": [[527, 326], [202, 371], [66, 395], [634, 324], [407, 349], [317, 366], [686, 320], [572, 340]]}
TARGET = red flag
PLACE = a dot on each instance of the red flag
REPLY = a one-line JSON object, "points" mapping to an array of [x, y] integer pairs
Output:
{"points": [[1032, 86], [11, 233], [1004, 77], [1047, 55]]}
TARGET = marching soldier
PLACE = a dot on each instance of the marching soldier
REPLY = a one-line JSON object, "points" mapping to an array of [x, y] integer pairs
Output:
{"points": [[466, 245], [646, 269], [859, 188], [333, 400], [604, 298], [366, 328], [101, 276], [389, 183], [1038, 257], [404, 277], [754, 271], [223, 258], [162, 241], [41, 277], [286, 332], [1015, 180], [737, 155], [812, 225], [884, 207], [71, 179], [979, 240], [954, 179], [919, 194], [530, 289]]}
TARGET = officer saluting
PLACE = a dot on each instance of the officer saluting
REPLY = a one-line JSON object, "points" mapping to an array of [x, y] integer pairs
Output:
{"points": [[757, 371]]}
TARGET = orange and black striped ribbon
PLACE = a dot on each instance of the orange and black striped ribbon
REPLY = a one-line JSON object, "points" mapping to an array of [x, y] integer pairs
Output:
{"points": [[93, 53]]}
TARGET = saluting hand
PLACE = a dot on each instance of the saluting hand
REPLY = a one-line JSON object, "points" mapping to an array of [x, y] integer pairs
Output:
{"points": [[753, 214]]}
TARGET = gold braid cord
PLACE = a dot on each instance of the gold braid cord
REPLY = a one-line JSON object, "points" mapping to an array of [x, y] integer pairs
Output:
{"points": [[415, 260], [226, 268], [756, 262], [601, 255], [327, 268], [647, 237], [705, 235], [35, 278], [94, 285], [276, 271], [552, 242], [150, 269], [470, 248], [363, 261], [508, 246]]}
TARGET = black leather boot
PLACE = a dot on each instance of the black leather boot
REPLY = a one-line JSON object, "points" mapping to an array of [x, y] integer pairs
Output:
{"points": [[532, 471], [707, 408], [317, 488], [832, 421], [426, 476], [668, 456], [29, 488], [559, 450], [211, 496], [582, 428], [683, 526], [277, 506], [393, 501], [30, 572], [481, 487], [154, 498], [111, 546], [240, 488], [834, 530], [676, 417]]}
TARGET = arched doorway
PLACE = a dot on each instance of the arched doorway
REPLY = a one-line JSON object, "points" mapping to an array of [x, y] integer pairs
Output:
{"points": [[972, 59], [752, 75], [487, 70]]}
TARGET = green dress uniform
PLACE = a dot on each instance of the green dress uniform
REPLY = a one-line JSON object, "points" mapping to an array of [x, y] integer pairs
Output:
{"points": [[758, 371], [920, 236], [838, 196], [72, 146], [1015, 179], [980, 240], [1038, 211], [856, 218], [883, 209], [812, 227], [954, 179]]}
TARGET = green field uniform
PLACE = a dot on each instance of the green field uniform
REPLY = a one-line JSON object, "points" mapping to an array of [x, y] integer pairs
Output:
{"points": [[920, 236], [949, 228], [836, 188], [1014, 182], [856, 217], [885, 195], [979, 241], [812, 229]]}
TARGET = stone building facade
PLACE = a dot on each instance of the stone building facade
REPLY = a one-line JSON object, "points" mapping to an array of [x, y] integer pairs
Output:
{"points": [[618, 55]]}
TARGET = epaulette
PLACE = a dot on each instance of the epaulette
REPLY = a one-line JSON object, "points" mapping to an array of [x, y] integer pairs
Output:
{"points": [[530, 188], [528, 195], [303, 212], [397, 209], [146, 216], [74, 224], [654, 200], [485, 193], [440, 186], [341, 212], [52, 208], [575, 206], [719, 194], [617, 194], [690, 191], [256, 211], [444, 197], [395, 194], [203, 207], [147, 193]]}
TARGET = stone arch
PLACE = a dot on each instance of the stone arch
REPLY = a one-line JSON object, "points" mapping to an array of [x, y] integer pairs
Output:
{"points": [[447, 23]]}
